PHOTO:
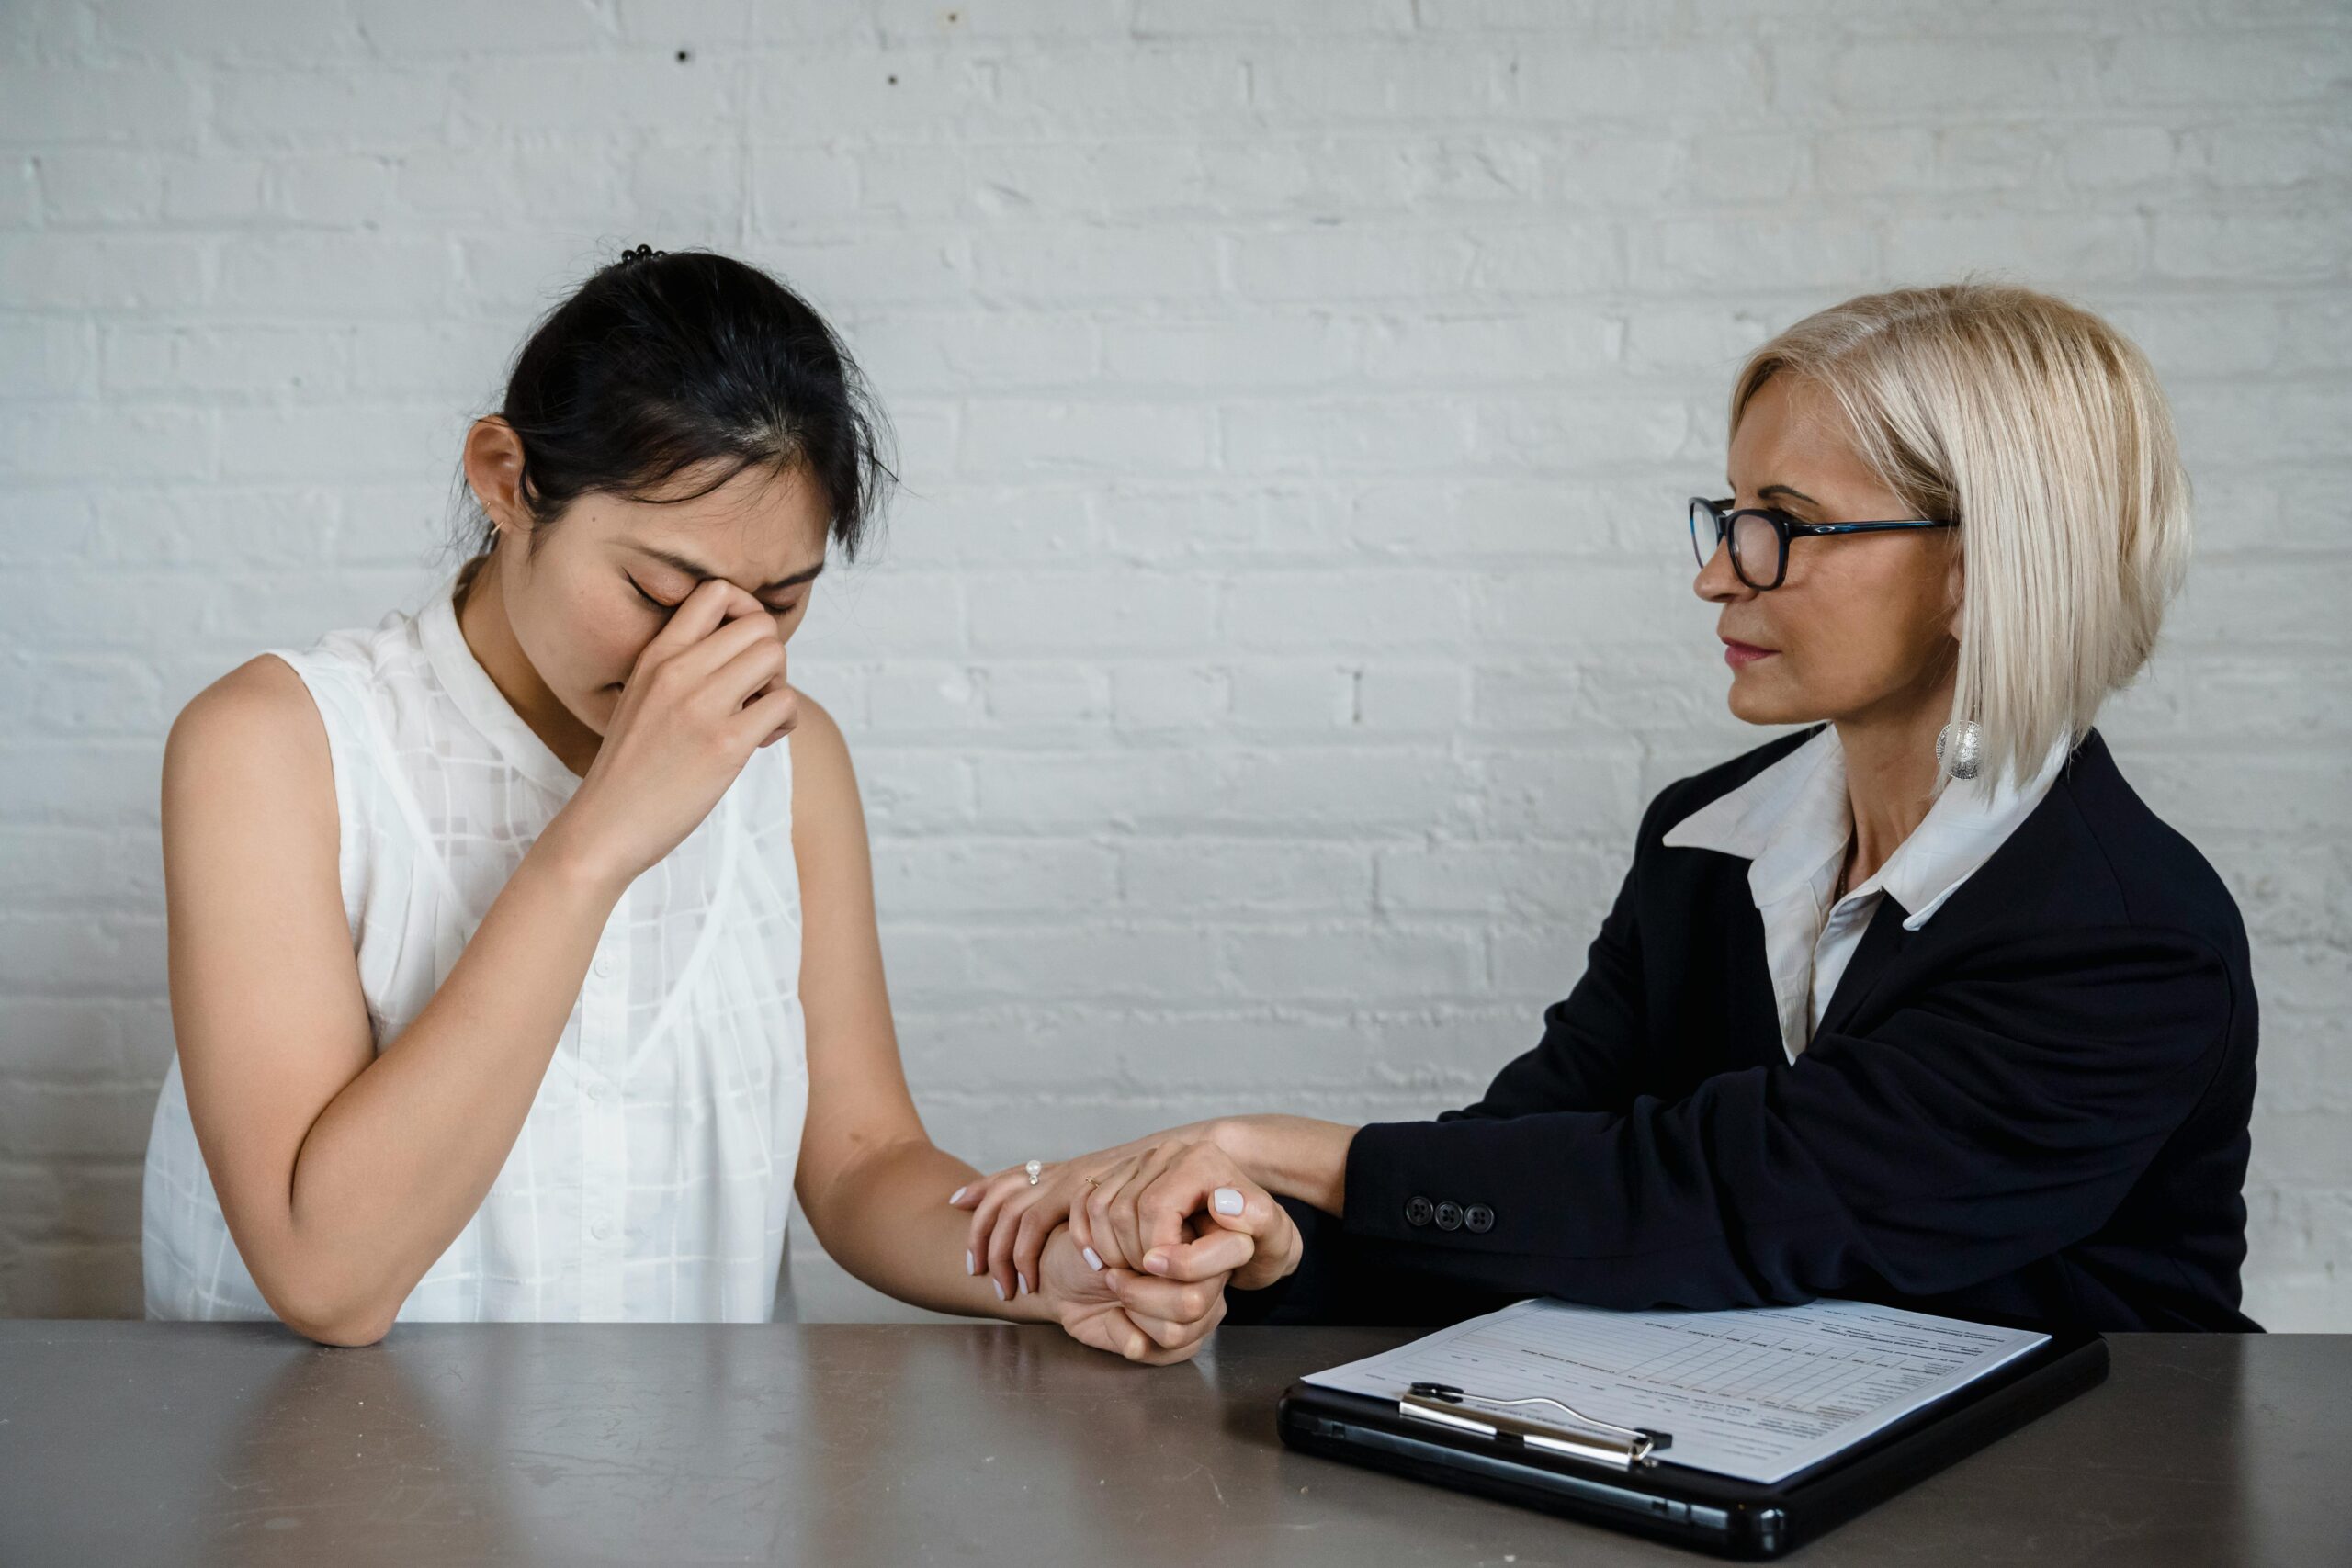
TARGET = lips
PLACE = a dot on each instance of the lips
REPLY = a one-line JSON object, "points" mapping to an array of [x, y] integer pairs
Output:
{"points": [[1738, 654]]}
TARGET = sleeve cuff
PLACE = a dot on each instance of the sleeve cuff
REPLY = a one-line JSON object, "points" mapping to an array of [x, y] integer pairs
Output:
{"points": [[1427, 1183]]}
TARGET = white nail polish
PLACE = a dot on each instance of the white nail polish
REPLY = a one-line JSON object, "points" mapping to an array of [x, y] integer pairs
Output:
{"points": [[1093, 1262], [1228, 1200], [970, 1266], [999, 1289], [957, 1196], [1024, 1279]]}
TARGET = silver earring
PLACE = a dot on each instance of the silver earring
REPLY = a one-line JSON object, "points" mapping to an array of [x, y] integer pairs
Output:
{"points": [[1966, 747]]}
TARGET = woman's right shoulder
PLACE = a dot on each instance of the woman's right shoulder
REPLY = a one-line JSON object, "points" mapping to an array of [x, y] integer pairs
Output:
{"points": [[261, 701], [252, 741]]}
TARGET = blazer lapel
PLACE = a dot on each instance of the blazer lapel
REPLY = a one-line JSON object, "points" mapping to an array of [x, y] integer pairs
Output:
{"points": [[1883, 941], [1751, 1010]]}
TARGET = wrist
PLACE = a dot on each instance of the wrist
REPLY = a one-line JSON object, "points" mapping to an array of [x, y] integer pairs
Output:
{"points": [[1298, 1157], [1031, 1306], [559, 853], [1042, 1303], [1244, 1140]]}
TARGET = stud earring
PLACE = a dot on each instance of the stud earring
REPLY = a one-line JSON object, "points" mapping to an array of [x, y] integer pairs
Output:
{"points": [[1966, 748]]}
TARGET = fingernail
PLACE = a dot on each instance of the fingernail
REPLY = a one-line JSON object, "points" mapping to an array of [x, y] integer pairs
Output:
{"points": [[957, 1196], [969, 1266], [1093, 1262], [1155, 1261], [999, 1289], [1023, 1279], [1228, 1199]]}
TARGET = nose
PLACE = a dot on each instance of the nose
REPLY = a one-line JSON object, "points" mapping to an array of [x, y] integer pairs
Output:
{"points": [[1717, 582]]}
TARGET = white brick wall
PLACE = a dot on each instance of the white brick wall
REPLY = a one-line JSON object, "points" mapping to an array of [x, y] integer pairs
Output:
{"points": [[1288, 613]]}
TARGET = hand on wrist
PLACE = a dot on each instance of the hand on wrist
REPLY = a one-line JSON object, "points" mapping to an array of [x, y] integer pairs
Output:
{"points": [[1051, 1293]]}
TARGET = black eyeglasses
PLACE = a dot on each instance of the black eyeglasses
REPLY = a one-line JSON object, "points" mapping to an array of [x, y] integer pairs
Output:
{"points": [[1760, 536]]}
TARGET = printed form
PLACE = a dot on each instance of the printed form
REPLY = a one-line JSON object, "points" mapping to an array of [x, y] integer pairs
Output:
{"points": [[1758, 1394]]}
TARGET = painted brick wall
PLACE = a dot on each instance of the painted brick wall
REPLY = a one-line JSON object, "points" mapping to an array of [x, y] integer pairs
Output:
{"points": [[1288, 613]]}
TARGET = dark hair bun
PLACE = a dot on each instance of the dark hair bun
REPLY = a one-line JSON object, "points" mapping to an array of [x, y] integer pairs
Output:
{"points": [[664, 362]]}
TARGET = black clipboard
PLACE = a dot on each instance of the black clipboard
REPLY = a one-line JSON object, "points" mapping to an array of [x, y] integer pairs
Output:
{"points": [[1644, 1491]]}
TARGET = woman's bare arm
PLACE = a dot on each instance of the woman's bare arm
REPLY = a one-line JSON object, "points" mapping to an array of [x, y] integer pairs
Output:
{"points": [[873, 1183], [865, 1154], [342, 1174]]}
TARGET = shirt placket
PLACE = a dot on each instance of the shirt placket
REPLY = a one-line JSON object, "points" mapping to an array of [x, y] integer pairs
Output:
{"points": [[1837, 930], [603, 1050]]}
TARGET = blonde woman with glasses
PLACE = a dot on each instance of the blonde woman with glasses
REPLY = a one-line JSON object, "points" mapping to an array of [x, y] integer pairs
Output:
{"points": [[1920, 1004]]}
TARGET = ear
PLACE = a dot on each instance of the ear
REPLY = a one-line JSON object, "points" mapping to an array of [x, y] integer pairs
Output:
{"points": [[494, 465]]}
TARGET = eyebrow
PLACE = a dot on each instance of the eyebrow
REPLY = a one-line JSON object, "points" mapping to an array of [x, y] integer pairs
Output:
{"points": [[701, 573], [1787, 491]]}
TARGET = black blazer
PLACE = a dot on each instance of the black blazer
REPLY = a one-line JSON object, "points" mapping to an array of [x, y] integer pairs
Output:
{"points": [[2034, 1108]]}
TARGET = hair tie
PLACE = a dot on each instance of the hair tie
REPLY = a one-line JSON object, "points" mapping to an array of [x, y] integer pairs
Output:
{"points": [[642, 253]]}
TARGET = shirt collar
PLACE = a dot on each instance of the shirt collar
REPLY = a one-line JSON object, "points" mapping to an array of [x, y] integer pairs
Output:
{"points": [[1789, 818], [479, 698]]}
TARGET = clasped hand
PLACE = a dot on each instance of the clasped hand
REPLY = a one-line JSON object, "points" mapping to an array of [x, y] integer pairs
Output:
{"points": [[1132, 1246]]}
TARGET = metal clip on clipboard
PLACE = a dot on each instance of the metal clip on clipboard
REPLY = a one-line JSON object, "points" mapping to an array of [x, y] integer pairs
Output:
{"points": [[1440, 1404]]}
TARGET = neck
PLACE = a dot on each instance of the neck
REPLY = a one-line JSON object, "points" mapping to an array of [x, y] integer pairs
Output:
{"points": [[1890, 776], [482, 621]]}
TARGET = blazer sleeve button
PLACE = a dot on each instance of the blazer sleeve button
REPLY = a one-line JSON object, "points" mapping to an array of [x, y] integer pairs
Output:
{"points": [[1448, 1216], [1479, 1218], [1418, 1212]]}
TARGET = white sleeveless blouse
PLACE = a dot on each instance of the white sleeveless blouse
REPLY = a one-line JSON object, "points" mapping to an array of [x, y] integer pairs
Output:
{"points": [[653, 1176]]}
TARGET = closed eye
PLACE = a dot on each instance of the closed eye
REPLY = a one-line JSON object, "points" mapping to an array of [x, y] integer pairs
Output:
{"points": [[778, 610], [649, 598]]}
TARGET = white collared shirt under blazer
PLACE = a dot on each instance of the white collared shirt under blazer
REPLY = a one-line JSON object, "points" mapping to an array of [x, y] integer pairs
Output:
{"points": [[1791, 823], [652, 1178]]}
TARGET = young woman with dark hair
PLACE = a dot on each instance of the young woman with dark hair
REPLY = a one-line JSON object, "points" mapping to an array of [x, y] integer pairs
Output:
{"points": [[517, 971]]}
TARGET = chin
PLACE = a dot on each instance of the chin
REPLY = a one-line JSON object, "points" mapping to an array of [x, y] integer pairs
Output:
{"points": [[1751, 703]]}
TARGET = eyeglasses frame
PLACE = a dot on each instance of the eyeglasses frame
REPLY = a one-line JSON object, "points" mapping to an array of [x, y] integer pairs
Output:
{"points": [[1784, 528]]}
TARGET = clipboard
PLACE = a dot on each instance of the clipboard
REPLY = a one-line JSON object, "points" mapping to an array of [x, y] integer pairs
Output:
{"points": [[1626, 1478]]}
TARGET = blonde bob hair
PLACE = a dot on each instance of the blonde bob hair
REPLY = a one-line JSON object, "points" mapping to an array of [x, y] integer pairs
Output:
{"points": [[2042, 430]]}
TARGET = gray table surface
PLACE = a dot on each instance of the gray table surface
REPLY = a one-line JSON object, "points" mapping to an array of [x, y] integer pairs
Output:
{"points": [[125, 1443]]}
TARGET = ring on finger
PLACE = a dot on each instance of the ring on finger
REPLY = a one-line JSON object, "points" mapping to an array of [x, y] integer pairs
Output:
{"points": [[1035, 1170]]}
